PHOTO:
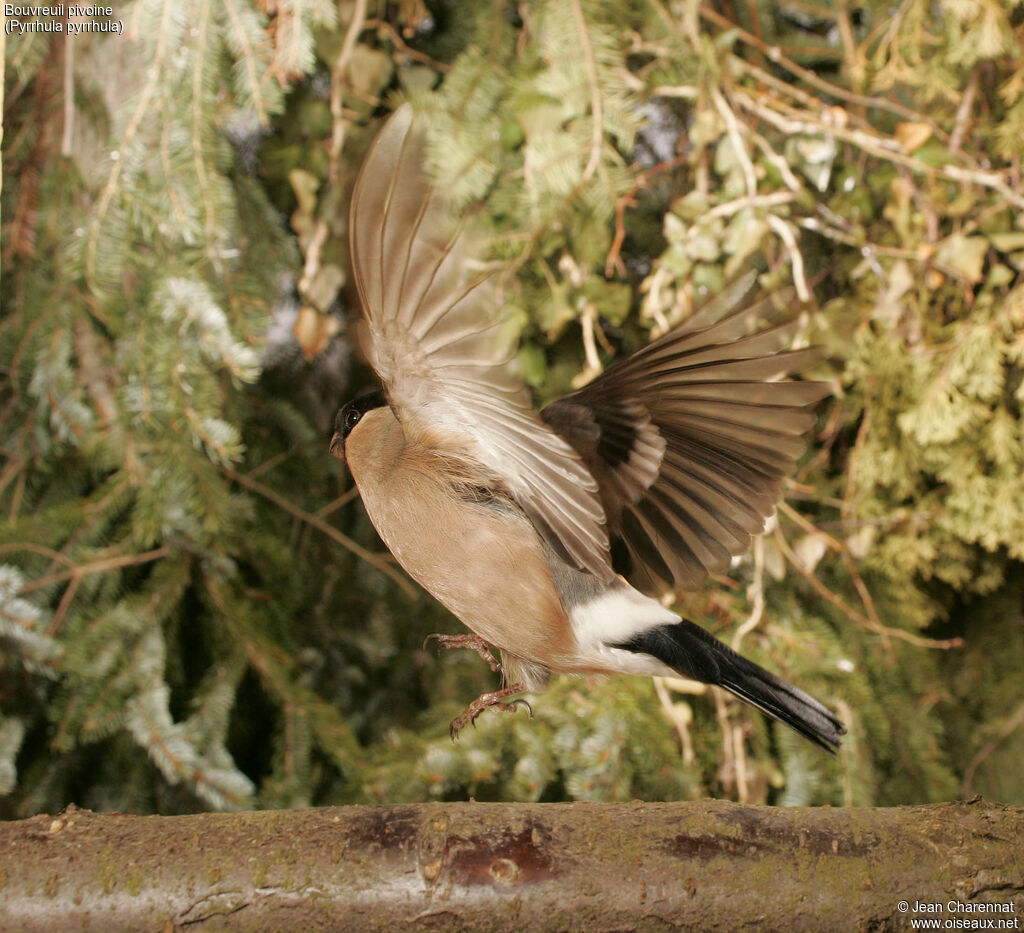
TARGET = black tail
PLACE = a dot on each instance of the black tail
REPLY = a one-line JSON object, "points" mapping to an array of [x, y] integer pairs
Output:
{"points": [[694, 653]]}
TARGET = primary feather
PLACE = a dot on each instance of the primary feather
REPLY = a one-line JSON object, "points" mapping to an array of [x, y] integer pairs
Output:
{"points": [[436, 340]]}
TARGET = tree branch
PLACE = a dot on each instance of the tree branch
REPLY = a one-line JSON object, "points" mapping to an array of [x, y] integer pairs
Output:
{"points": [[711, 865]]}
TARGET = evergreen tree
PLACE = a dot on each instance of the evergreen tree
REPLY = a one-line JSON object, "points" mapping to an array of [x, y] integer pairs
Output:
{"points": [[194, 611]]}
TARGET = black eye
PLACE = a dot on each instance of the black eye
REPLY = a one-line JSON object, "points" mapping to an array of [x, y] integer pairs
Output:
{"points": [[351, 414]]}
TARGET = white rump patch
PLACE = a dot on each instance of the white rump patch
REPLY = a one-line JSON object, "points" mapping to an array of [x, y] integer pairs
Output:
{"points": [[615, 617]]}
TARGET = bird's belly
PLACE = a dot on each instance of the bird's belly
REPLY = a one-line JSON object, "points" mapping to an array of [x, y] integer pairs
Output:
{"points": [[485, 564]]}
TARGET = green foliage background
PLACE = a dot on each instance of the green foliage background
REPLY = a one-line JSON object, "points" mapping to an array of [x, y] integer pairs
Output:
{"points": [[194, 611]]}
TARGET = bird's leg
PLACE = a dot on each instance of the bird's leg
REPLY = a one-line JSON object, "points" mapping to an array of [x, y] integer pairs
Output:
{"points": [[473, 642], [495, 700]]}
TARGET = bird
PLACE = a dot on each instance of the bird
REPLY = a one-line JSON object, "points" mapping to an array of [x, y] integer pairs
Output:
{"points": [[549, 534]]}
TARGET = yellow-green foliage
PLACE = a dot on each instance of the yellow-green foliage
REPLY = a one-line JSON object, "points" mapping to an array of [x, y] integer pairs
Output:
{"points": [[190, 610]]}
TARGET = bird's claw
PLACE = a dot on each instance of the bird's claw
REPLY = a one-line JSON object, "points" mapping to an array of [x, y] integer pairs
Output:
{"points": [[496, 701]]}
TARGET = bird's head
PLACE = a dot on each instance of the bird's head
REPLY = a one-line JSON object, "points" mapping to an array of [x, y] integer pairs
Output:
{"points": [[349, 416]]}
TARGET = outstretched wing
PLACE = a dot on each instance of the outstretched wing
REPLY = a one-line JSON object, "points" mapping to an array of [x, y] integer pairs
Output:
{"points": [[437, 341], [690, 440]]}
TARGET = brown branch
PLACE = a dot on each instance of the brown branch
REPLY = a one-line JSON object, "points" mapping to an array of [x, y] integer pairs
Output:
{"points": [[322, 230], [793, 121], [94, 371], [344, 499], [55, 556], [340, 65], [1009, 726], [709, 865], [597, 121], [841, 549], [861, 587], [68, 135], [96, 566], [774, 54], [381, 563], [874, 624], [391, 34], [963, 113], [614, 261], [143, 109]]}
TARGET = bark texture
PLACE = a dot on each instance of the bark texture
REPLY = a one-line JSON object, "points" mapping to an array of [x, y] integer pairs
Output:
{"points": [[512, 867]]}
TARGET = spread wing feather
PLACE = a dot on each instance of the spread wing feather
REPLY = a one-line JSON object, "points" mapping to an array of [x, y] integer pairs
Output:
{"points": [[437, 341], [690, 440]]}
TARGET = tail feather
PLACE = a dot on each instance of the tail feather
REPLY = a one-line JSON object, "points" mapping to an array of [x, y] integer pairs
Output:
{"points": [[696, 654]]}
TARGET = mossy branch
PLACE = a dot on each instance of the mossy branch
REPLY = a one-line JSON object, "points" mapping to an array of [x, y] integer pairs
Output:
{"points": [[468, 866]]}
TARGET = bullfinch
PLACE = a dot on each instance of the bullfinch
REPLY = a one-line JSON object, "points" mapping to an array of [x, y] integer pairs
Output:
{"points": [[549, 533]]}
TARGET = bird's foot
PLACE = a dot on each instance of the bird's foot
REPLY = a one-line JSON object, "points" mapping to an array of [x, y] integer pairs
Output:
{"points": [[495, 700], [473, 642]]}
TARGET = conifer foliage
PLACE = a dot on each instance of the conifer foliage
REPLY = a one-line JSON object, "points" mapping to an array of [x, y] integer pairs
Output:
{"points": [[194, 611]]}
